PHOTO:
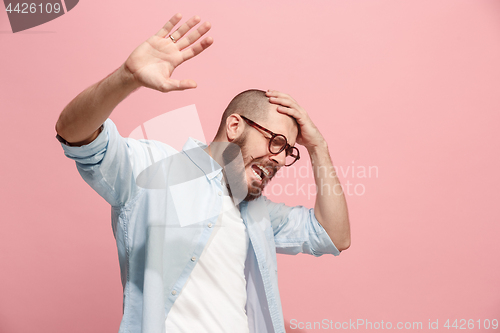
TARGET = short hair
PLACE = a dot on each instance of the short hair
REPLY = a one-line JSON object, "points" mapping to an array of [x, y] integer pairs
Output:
{"points": [[253, 104]]}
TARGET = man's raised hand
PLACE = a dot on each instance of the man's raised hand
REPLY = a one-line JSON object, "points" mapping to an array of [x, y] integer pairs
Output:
{"points": [[152, 63]]}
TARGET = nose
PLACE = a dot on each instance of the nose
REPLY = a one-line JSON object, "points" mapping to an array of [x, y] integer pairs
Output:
{"points": [[279, 158]]}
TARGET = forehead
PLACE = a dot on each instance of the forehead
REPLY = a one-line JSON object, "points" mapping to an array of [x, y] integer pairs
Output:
{"points": [[280, 123]]}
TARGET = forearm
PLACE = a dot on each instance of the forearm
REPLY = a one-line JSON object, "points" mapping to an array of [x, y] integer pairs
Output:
{"points": [[149, 65], [330, 208], [82, 117]]}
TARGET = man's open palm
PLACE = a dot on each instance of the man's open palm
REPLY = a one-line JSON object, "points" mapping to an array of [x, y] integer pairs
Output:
{"points": [[153, 62]]}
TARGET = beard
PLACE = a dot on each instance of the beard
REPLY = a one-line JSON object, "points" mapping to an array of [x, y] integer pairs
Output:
{"points": [[254, 188]]}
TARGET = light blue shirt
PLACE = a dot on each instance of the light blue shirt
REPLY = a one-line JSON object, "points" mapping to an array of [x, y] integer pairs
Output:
{"points": [[161, 228]]}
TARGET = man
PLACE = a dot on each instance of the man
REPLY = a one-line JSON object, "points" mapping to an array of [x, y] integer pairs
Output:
{"points": [[197, 249]]}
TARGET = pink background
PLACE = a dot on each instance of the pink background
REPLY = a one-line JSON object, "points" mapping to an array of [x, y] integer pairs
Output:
{"points": [[410, 87]]}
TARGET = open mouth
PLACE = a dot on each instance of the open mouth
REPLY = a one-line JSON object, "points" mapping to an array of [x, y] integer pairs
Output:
{"points": [[260, 172]]}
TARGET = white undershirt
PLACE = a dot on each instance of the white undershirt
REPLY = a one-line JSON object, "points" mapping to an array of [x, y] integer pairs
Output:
{"points": [[214, 296]]}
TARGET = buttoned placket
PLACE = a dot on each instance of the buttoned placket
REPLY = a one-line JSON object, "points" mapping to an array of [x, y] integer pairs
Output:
{"points": [[174, 293], [258, 247]]}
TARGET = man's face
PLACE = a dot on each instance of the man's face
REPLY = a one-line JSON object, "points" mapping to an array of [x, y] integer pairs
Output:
{"points": [[260, 164]]}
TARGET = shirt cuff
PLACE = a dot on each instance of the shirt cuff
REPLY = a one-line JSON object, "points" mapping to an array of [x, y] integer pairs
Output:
{"points": [[91, 148], [327, 245]]}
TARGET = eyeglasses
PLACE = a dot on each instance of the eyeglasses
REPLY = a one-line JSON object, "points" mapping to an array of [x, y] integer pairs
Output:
{"points": [[277, 143]]}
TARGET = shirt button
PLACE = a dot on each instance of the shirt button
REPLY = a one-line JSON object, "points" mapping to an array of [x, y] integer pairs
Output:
{"points": [[174, 292], [210, 225], [193, 258], [219, 193]]}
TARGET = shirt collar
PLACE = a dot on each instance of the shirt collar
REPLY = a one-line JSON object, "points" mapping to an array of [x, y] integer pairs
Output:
{"points": [[194, 149]]}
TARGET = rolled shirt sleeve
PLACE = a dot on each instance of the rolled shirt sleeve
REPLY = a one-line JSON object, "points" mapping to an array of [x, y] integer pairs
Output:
{"points": [[296, 230], [106, 165]]}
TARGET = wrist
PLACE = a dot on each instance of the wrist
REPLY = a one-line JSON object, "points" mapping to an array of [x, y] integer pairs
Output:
{"points": [[319, 147], [126, 78]]}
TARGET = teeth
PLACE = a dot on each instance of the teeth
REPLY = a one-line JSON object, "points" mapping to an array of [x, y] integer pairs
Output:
{"points": [[256, 174], [266, 172]]}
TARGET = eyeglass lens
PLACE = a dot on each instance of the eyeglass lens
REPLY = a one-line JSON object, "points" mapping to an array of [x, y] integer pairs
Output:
{"points": [[278, 143]]}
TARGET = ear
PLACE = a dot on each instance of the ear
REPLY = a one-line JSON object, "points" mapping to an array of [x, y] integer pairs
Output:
{"points": [[234, 127]]}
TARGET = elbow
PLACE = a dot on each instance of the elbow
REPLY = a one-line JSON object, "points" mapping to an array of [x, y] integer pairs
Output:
{"points": [[59, 127], [344, 245], [56, 127], [342, 239], [60, 132], [344, 242]]}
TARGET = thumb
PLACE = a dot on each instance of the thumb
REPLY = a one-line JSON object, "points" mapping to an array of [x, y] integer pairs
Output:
{"points": [[180, 85]]}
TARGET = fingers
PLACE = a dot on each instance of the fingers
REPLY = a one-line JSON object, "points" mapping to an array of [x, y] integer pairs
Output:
{"points": [[197, 48], [186, 84], [171, 85], [287, 105], [291, 112], [183, 29], [165, 30], [285, 101], [277, 94], [189, 40], [281, 101], [194, 36], [280, 98]]}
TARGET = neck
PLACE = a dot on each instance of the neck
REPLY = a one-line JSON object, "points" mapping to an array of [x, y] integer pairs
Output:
{"points": [[216, 149]]}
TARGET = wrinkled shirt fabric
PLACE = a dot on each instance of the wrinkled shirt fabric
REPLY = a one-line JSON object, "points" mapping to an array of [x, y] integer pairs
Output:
{"points": [[164, 204]]}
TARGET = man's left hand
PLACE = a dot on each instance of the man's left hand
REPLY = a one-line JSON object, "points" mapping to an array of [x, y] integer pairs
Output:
{"points": [[309, 136]]}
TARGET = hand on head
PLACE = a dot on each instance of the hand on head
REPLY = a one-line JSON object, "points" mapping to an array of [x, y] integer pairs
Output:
{"points": [[309, 135]]}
